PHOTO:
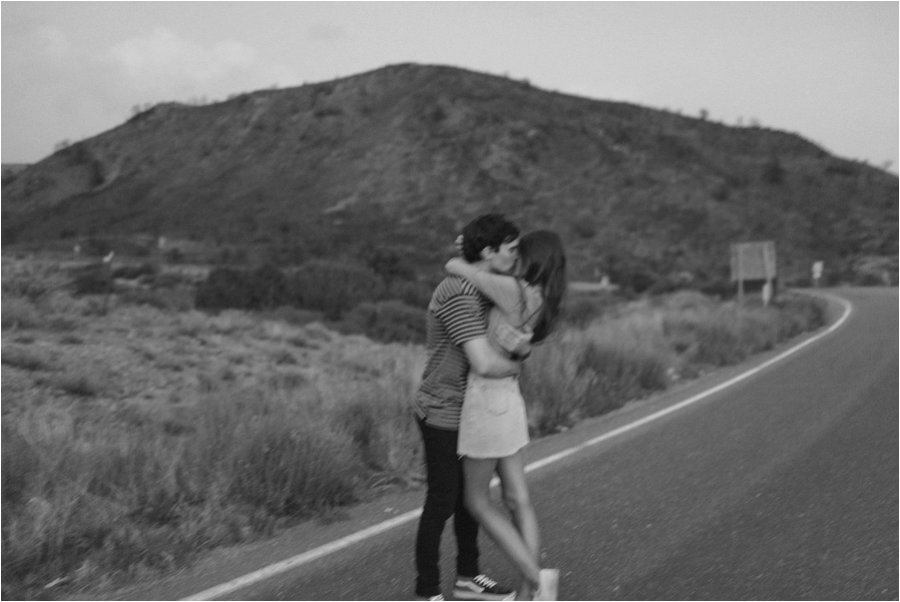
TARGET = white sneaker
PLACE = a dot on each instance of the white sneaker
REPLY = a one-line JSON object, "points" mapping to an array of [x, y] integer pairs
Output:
{"points": [[548, 587], [481, 587]]}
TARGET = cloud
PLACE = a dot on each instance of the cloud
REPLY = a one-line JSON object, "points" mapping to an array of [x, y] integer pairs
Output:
{"points": [[326, 32], [51, 42], [66, 91], [162, 62]]}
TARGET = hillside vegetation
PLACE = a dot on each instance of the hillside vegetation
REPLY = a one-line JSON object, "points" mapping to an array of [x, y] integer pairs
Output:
{"points": [[399, 158]]}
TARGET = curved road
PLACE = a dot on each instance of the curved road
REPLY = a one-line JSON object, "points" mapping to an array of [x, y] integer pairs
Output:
{"points": [[781, 486]]}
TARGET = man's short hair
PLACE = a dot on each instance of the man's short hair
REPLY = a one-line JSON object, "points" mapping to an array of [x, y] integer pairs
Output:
{"points": [[491, 230]]}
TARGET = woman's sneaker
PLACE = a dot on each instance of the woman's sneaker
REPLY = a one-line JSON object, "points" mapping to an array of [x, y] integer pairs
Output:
{"points": [[548, 587], [481, 587]]}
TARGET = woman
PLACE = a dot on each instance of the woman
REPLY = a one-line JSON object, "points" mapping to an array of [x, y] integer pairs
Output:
{"points": [[493, 427]]}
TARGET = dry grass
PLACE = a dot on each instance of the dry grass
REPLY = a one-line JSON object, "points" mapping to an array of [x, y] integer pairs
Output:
{"points": [[645, 346], [154, 434]]}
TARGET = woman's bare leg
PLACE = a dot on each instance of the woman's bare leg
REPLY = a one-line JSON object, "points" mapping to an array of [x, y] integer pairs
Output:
{"points": [[478, 473], [518, 500]]}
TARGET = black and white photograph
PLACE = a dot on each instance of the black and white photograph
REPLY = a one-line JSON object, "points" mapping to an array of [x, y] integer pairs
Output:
{"points": [[458, 300]]}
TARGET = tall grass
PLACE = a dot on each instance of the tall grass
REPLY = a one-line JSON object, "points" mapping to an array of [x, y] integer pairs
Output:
{"points": [[91, 494], [648, 345]]}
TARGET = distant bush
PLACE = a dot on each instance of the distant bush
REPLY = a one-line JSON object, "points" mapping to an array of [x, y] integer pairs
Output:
{"points": [[410, 292], [293, 315], [93, 280], [132, 272], [390, 264], [584, 228], [333, 287], [717, 288], [579, 310], [180, 299], [772, 171], [387, 321], [327, 286], [874, 271], [223, 288], [96, 247], [269, 287], [228, 288]]}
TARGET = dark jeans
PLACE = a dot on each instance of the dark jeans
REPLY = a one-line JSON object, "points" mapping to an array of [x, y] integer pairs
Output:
{"points": [[443, 500]]}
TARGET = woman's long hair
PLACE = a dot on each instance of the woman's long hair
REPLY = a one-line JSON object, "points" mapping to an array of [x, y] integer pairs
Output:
{"points": [[543, 262]]}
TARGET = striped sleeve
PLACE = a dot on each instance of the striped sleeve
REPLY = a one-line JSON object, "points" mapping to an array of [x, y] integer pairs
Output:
{"points": [[463, 318], [461, 309]]}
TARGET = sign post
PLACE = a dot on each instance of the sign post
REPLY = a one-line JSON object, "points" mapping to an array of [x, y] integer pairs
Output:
{"points": [[754, 261]]}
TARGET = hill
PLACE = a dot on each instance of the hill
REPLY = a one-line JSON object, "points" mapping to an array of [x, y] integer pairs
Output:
{"points": [[397, 159]]}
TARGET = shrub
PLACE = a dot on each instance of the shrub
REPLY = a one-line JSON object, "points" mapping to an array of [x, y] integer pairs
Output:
{"points": [[293, 467], [772, 172], [293, 315], [797, 314], [23, 358], [224, 288], [96, 247], [718, 343], [619, 374], [387, 321], [580, 310], [34, 282], [18, 312], [132, 272], [333, 287], [82, 385], [93, 280], [375, 412], [268, 287], [554, 389], [165, 299], [390, 264], [410, 292]]}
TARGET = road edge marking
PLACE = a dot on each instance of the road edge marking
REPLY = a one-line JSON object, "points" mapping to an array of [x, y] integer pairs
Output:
{"points": [[378, 528]]}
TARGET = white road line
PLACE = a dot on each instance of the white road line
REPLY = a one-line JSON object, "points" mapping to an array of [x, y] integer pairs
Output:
{"points": [[339, 544]]}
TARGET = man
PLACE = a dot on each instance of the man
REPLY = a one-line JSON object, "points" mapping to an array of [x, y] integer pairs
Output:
{"points": [[457, 343]]}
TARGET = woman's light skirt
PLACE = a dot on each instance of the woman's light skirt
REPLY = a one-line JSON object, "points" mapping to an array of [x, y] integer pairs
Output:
{"points": [[493, 423]]}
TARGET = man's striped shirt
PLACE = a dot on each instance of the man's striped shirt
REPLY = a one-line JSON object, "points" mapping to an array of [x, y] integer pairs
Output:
{"points": [[456, 314]]}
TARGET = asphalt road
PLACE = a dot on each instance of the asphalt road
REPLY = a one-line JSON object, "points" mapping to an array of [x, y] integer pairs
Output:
{"points": [[783, 486]]}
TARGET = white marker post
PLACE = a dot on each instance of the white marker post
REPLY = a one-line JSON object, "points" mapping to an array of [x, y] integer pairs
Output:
{"points": [[817, 268]]}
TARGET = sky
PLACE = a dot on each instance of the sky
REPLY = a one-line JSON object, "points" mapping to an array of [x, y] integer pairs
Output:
{"points": [[827, 71]]}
